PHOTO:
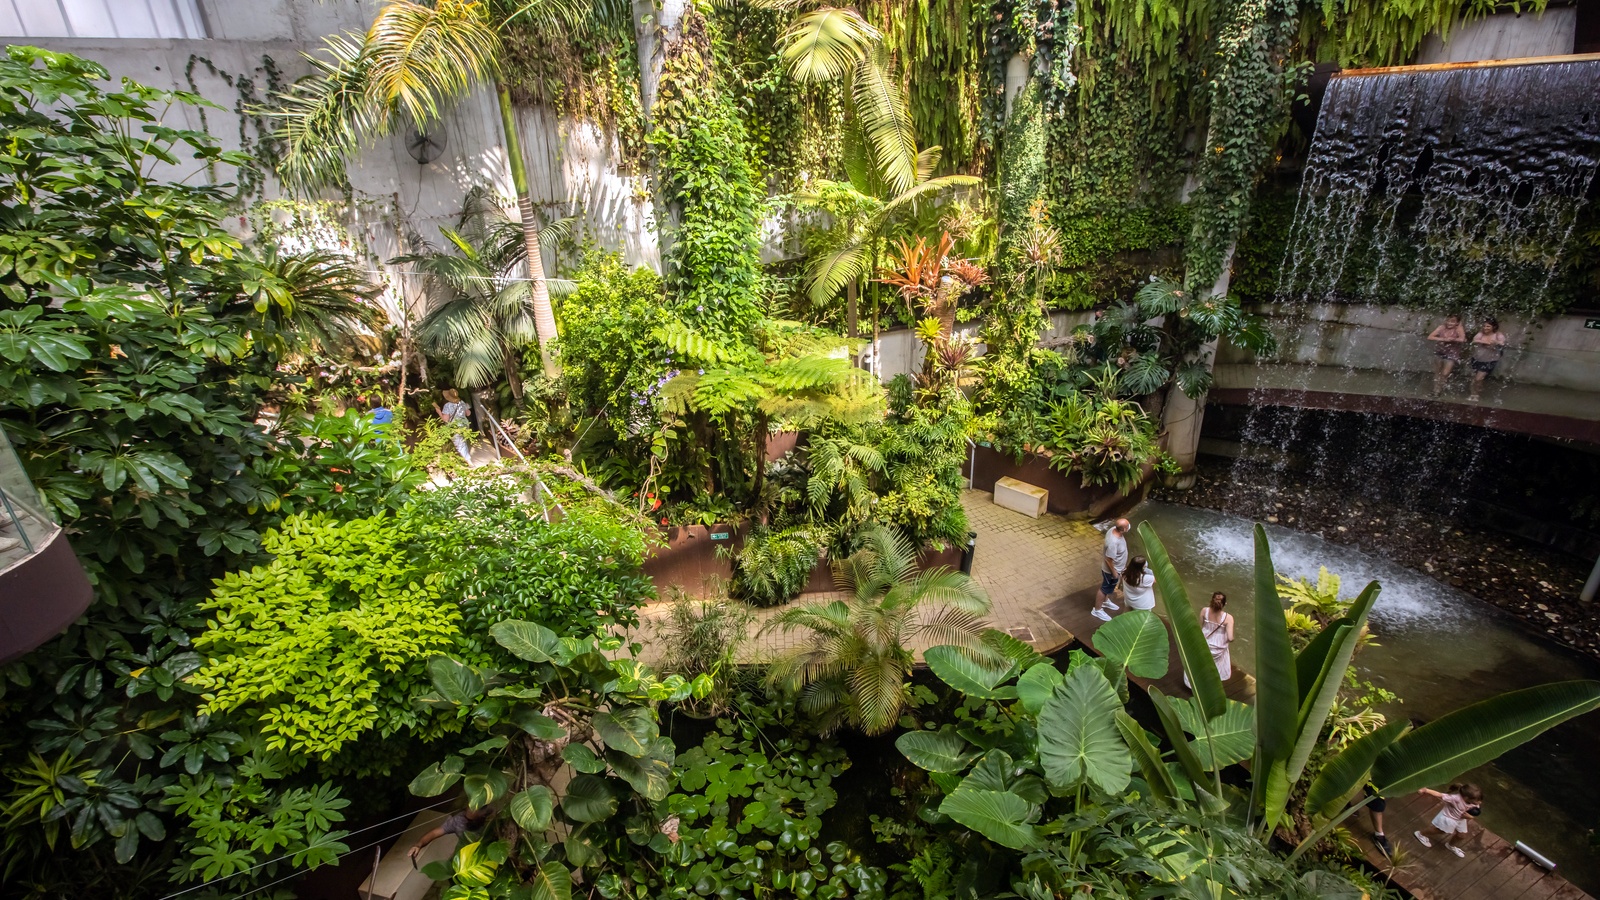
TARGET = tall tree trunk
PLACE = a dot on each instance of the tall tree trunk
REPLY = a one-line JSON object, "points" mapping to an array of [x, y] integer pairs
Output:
{"points": [[510, 358], [544, 318], [852, 310]]}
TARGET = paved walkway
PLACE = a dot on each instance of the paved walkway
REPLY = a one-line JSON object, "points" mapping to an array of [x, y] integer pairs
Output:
{"points": [[1023, 564]]}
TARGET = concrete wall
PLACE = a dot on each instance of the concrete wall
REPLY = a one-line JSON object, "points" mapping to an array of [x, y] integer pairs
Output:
{"points": [[1558, 352], [1505, 36], [572, 167], [898, 352]]}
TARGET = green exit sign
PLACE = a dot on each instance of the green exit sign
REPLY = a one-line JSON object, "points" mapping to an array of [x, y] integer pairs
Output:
{"points": [[1592, 323]]}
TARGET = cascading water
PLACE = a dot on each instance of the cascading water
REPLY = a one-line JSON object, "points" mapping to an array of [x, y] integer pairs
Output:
{"points": [[1430, 188]]}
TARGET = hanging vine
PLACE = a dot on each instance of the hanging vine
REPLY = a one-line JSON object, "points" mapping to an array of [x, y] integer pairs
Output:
{"points": [[588, 70], [257, 137]]}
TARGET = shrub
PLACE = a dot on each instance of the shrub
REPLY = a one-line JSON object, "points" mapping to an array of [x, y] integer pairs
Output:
{"points": [[773, 567]]}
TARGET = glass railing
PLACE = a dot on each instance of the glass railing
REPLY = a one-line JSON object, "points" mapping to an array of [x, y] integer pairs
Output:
{"points": [[26, 527]]}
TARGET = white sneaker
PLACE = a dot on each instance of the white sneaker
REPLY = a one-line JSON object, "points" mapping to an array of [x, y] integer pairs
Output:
{"points": [[1421, 839], [1102, 615], [1112, 606]]}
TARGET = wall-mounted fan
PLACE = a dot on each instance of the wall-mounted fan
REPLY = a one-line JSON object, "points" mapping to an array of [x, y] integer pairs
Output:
{"points": [[425, 146]]}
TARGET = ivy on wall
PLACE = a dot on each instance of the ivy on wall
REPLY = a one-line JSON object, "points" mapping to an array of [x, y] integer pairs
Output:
{"points": [[704, 170], [257, 138], [589, 71]]}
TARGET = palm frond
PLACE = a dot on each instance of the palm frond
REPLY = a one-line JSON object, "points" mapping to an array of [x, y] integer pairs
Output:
{"points": [[830, 272], [419, 56], [826, 43], [880, 106], [323, 118], [933, 186]]}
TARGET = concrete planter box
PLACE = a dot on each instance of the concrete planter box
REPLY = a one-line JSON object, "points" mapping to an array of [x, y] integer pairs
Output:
{"points": [[1069, 496]]}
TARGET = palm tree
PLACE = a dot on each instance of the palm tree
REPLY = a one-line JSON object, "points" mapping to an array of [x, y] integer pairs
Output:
{"points": [[853, 667], [478, 315], [314, 302], [414, 60], [886, 173]]}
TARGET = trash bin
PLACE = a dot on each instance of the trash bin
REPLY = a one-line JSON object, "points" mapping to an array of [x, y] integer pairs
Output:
{"points": [[967, 551]]}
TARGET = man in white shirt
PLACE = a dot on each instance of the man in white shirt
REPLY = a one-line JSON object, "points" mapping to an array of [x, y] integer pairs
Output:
{"points": [[1114, 560]]}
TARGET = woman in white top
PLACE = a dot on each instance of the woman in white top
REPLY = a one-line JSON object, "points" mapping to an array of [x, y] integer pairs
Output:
{"points": [[1217, 626], [1139, 584]]}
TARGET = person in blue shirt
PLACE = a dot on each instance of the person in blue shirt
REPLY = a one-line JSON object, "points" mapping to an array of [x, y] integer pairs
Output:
{"points": [[381, 415]]}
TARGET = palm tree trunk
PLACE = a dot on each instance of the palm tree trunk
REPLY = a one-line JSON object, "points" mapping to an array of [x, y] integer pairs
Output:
{"points": [[510, 358], [544, 319], [851, 310]]}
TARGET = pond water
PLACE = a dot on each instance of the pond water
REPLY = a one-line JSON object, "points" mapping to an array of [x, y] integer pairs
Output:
{"points": [[1438, 649]]}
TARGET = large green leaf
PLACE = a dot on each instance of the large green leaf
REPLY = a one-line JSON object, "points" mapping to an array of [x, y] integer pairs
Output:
{"points": [[1319, 701], [1187, 759], [1192, 647], [956, 667], [533, 808], [538, 724], [438, 778], [1036, 685], [1136, 640], [1277, 691], [530, 641], [650, 774], [589, 798], [1000, 816], [551, 881], [630, 730], [1233, 733], [1162, 786], [454, 681], [1469, 737], [1078, 740], [1344, 773], [580, 757], [937, 751], [484, 785]]}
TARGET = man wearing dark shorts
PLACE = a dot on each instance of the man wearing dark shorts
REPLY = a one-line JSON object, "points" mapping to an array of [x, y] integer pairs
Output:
{"points": [[1112, 562], [1375, 808]]}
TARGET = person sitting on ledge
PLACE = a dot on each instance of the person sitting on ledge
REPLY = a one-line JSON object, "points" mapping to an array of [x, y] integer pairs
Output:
{"points": [[462, 822], [1451, 338]]}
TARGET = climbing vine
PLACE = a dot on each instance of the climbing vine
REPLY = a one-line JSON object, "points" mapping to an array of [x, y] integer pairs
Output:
{"points": [[703, 167], [257, 137], [588, 70]]}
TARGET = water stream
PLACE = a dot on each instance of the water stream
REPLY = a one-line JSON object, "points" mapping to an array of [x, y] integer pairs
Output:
{"points": [[1438, 649]]}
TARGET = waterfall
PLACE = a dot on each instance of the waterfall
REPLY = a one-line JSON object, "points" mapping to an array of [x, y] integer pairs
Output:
{"points": [[1452, 188], [1460, 180]]}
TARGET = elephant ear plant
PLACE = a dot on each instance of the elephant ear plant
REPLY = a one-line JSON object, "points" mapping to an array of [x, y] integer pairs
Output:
{"points": [[558, 702]]}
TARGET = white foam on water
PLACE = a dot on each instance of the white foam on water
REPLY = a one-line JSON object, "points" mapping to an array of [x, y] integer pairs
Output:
{"points": [[1407, 597]]}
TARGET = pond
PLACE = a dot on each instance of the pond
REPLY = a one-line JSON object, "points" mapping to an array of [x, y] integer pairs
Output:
{"points": [[1438, 649]]}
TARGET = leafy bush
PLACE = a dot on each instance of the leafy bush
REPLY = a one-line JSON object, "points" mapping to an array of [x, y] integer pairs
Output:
{"points": [[330, 640], [350, 467], [773, 567], [494, 554], [1105, 440], [925, 452], [703, 637]]}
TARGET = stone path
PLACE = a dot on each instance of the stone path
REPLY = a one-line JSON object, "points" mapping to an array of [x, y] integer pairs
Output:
{"points": [[1023, 564]]}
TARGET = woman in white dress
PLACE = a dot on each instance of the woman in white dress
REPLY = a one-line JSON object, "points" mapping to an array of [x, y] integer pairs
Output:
{"points": [[455, 412], [1217, 626], [1139, 584]]}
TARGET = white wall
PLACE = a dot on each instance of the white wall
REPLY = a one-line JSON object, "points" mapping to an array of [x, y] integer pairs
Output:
{"points": [[571, 166], [1558, 352], [900, 353], [1505, 36]]}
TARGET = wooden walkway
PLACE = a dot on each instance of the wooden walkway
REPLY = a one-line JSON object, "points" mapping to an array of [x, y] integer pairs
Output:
{"points": [[1493, 869]]}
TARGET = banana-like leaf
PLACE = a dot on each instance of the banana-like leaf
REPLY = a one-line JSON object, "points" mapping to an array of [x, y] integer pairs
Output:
{"points": [[1474, 735], [1151, 766], [1000, 816], [530, 641], [1192, 647], [1138, 641], [1314, 709], [956, 667], [1275, 794], [589, 798], [1277, 691], [455, 681], [1180, 741], [1344, 773], [1078, 740], [1232, 734], [937, 751]]}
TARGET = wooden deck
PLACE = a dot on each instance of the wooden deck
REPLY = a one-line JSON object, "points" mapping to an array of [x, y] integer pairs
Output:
{"points": [[1492, 870]]}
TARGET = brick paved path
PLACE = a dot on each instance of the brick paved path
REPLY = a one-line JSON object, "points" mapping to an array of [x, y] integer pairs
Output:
{"points": [[1024, 564]]}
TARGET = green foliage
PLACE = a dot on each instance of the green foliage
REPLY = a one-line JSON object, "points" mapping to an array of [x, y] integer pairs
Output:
{"points": [[1101, 438], [494, 555], [701, 642], [703, 167], [852, 667], [350, 467], [330, 640], [772, 567], [230, 823], [924, 449], [748, 813]]}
